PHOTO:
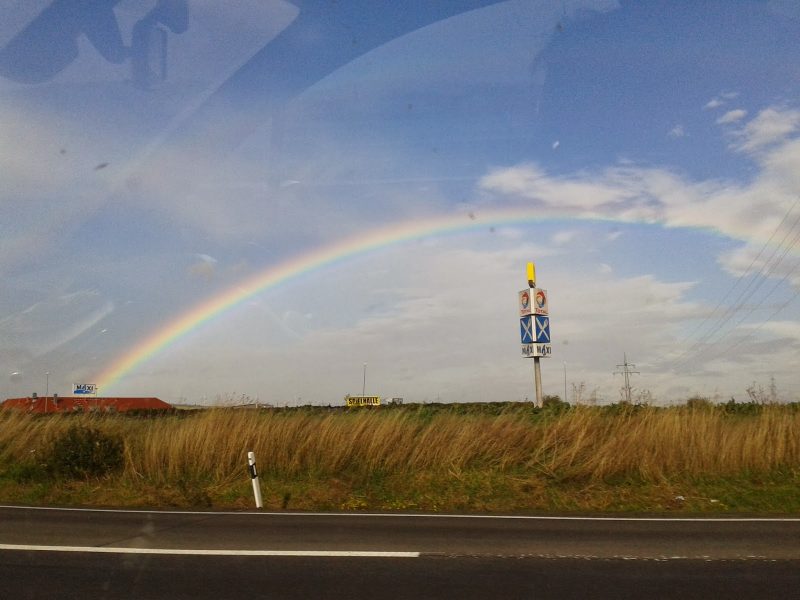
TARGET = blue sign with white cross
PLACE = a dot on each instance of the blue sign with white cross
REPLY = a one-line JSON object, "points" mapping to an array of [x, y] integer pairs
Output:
{"points": [[534, 329], [526, 329], [542, 329]]}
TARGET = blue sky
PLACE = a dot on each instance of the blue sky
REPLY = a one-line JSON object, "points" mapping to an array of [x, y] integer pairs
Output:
{"points": [[658, 145]]}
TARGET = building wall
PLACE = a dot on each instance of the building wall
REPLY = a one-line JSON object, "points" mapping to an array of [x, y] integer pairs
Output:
{"points": [[59, 404]]}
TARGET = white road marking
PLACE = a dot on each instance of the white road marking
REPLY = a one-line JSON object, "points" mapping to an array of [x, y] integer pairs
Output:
{"points": [[416, 515], [194, 552]]}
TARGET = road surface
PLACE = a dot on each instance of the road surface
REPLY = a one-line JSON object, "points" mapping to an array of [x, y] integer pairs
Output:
{"points": [[48, 553]]}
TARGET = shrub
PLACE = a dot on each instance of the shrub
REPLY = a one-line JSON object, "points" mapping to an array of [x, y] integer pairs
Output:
{"points": [[555, 404], [742, 408], [82, 452], [699, 403], [23, 472]]}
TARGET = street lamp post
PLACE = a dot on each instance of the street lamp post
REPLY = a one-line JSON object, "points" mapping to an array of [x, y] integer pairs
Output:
{"points": [[364, 385], [46, 388], [565, 380]]}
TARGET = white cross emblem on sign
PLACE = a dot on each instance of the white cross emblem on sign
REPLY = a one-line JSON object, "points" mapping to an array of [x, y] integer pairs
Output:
{"points": [[527, 330], [542, 330]]}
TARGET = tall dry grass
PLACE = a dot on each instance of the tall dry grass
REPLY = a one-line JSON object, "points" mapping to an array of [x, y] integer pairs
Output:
{"points": [[581, 444]]}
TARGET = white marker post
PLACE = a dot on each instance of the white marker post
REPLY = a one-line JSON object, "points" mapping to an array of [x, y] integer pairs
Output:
{"points": [[251, 465]]}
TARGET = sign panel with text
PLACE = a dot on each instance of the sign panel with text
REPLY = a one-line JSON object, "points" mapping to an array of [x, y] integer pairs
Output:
{"points": [[85, 389]]}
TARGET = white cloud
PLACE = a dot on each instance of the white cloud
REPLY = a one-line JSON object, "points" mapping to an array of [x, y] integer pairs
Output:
{"points": [[741, 210], [732, 116], [713, 103], [789, 330], [581, 191], [676, 132], [556, 144], [769, 127], [774, 260], [564, 237], [205, 268], [206, 258]]}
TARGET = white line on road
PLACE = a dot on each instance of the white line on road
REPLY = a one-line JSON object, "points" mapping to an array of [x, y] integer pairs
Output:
{"points": [[418, 515], [107, 550]]}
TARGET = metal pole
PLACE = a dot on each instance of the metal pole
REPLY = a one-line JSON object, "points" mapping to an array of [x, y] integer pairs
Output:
{"points": [[627, 387], [251, 463], [364, 385], [627, 379], [565, 381], [537, 375], [46, 389]]}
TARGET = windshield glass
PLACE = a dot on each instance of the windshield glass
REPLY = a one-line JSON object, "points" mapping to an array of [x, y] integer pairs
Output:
{"points": [[291, 201]]}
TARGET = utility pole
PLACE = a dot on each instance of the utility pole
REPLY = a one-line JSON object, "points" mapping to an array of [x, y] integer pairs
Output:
{"points": [[364, 383], [627, 371]]}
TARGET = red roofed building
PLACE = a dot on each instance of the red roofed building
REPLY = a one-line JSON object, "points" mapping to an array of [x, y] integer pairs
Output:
{"points": [[57, 404]]}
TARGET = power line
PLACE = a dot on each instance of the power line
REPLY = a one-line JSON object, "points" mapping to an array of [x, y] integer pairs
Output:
{"points": [[758, 280], [777, 311], [739, 305], [749, 268], [772, 290]]}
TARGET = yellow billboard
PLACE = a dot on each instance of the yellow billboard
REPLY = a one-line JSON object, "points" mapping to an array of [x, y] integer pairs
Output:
{"points": [[362, 400]]}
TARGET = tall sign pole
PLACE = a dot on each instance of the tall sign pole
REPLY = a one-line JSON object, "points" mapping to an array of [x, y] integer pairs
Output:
{"points": [[534, 328]]}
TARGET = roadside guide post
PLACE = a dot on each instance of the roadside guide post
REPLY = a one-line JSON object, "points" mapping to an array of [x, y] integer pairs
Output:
{"points": [[251, 465], [534, 327]]}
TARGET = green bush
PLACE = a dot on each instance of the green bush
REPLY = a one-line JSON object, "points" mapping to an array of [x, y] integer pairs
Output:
{"points": [[741, 408], [82, 452], [699, 403], [23, 472], [555, 404]]}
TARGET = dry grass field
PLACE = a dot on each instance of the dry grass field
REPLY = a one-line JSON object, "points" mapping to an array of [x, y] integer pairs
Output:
{"points": [[510, 458]]}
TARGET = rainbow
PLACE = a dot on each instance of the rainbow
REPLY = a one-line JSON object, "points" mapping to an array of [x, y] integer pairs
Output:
{"points": [[319, 258]]}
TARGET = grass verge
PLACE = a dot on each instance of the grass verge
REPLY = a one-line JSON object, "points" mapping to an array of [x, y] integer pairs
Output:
{"points": [[484, 458]]}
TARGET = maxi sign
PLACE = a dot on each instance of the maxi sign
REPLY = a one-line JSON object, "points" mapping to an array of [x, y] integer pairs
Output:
{"points": [[86, 389], [536, 350]]}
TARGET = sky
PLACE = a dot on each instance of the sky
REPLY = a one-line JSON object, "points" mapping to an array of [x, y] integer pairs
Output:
{"points": [[265, 203]]}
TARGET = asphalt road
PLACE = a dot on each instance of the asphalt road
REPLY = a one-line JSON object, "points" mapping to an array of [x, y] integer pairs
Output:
{"points": [[66, 553]]}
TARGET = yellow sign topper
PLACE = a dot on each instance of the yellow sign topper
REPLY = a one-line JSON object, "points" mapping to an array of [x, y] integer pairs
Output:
{"points": [[531, 275]]}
